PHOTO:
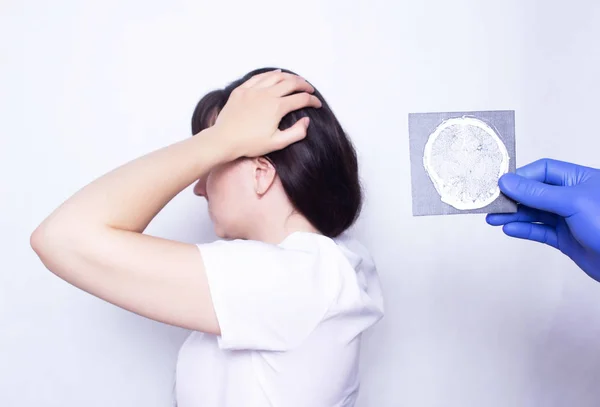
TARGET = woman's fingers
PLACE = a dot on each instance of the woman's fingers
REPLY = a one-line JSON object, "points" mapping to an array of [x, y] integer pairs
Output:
{"points": [[294, 91], [291, 85], [298, 101], [254, 110], [283, 84], [291, 135], [253, 81], [270, 80]]}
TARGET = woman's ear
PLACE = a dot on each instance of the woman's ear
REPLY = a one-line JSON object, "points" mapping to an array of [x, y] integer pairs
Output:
{"points": [[264, 175]]}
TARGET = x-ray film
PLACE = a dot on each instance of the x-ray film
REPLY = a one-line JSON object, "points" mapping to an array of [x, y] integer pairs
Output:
{"points": [[457, 159]]}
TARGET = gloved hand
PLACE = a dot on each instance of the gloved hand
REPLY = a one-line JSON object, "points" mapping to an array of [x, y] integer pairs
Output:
{"points": [[559, 204]]}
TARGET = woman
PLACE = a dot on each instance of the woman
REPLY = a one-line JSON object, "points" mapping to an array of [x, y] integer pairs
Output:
{"points": [[279, 304]]}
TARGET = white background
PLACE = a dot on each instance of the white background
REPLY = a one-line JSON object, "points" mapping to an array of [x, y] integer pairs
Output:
{"points": [[473, 317]]}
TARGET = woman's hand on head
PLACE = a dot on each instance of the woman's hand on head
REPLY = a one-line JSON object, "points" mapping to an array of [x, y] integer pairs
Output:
{"points": [[248, 123]]}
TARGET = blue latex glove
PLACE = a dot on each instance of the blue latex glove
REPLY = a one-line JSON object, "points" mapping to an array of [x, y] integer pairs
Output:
{"points": [[559, 204]]}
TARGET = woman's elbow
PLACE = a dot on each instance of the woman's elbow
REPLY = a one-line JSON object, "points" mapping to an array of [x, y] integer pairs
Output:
{"points": [[47, 240], [43, 241], [38, 239]]}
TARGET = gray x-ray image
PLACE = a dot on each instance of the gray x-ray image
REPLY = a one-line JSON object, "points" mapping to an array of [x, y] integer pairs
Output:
{"points": [[457, 159]]}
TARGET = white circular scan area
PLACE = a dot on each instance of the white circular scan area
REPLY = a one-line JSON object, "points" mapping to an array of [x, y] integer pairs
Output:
{"points": [[464, 158]]}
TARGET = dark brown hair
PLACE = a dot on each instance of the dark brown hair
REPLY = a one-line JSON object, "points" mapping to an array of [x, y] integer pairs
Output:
{"points": [[319, 173]]}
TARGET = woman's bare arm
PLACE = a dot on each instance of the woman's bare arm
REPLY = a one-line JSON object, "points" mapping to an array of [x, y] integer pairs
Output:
{"points": [[95, 239]]}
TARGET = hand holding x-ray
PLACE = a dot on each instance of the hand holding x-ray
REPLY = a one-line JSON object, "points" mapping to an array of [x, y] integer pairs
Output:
{"points": [[559, 206]]}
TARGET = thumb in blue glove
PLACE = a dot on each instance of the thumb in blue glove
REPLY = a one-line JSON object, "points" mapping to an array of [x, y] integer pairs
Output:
{"points": [[559, 204]]}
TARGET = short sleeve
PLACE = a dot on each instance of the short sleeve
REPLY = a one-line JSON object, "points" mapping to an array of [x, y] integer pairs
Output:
{"points": [[267, 297]]}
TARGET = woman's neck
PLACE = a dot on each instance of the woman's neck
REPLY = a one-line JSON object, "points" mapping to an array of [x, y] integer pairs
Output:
{"points": [[274, 229]]}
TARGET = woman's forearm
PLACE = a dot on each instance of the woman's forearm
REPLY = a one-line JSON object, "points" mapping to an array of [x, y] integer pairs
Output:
{"points": [[130, 196]]}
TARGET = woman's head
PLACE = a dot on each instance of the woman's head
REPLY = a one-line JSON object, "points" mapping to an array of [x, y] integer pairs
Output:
{"points": [[315, 178]]}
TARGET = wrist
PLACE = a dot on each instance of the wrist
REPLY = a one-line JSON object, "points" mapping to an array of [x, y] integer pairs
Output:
{"points": [[215, 144]]}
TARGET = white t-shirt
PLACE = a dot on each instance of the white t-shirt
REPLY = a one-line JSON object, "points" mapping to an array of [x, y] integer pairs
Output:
{"points": [[291, 318]]}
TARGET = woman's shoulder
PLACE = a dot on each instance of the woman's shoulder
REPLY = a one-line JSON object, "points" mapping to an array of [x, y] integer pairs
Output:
{"points": [[345, 245], [301, 247], [351, 272], [311, 276], [343, 258]]}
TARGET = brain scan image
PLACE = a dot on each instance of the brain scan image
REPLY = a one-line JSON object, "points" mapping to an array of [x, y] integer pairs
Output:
{"points": [[464, 157]]}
